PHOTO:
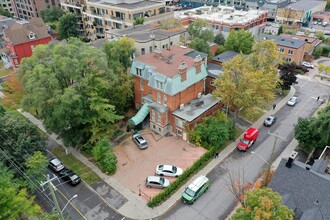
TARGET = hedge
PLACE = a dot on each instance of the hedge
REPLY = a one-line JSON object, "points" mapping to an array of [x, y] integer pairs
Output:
{"points": [[182, 179]]}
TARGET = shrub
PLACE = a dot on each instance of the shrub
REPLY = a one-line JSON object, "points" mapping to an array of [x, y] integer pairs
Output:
{"points": [[103, 155]]}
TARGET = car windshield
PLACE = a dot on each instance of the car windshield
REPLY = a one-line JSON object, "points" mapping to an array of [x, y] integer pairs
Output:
{"points": [[244, 141], [161, 181], [160, 167], [189, 192], [174, 169], [143, 143], [269, 119]]}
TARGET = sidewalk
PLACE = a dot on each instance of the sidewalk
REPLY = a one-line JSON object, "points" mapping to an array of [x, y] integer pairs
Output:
{"points": [[135, 207]]}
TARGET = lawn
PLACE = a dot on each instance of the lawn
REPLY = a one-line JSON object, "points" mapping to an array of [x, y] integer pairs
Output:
{"points": [[251, 117], [5, 72], [76, 165]]}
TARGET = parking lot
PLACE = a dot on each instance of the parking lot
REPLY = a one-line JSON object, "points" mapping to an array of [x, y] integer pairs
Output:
{"points": [[134, 164]]}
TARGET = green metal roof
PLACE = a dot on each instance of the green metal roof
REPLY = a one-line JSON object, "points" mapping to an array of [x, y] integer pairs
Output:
{"points": [[141, 115]]}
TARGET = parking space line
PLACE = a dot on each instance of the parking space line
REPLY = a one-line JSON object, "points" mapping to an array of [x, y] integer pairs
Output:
{"points": [[72, 204]]}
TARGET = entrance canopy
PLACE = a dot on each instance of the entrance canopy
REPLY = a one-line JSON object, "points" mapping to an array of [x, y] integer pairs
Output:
{"points": [[141, 115]]}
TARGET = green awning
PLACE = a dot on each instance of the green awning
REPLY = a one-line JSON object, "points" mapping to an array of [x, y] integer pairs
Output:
{"points": [[141, 115]]}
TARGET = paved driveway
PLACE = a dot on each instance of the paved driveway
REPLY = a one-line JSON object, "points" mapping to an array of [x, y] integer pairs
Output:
{"points": [[134, 165]]}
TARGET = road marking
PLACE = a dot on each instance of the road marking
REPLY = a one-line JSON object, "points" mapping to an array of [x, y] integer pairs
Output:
{"points": [[72, 204], [302, 106], [305, 83]]}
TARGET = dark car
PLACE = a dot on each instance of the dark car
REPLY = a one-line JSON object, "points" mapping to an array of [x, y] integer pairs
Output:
{"points": [[70, 177], [55, 164], [140, 141], [269, 121]]}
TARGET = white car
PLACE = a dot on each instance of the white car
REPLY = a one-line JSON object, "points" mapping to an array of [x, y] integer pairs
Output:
{"points": [[168, 170], [315, 22], [308, 65], [292, 101]]}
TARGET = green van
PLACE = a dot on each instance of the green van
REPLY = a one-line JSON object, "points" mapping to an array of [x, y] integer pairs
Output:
{"points": [[195, 189]]}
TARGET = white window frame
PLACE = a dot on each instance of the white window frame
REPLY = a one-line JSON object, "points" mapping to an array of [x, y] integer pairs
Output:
{"points": [[158, 98], [290, 52], [141, 85], [153, 116], [179, 122], [179, 132], [159, 119], [138, 72]]}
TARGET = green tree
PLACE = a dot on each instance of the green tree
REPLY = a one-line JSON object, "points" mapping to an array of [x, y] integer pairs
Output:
{"points": [[36, 168], [5, 12], [239, 41], [280, 30], [317, 52], [105, 158], [263, 204], [138, 20], [19, 138], [219, 39], [51, 15], [201, 36], [67, 26], [70, 86], [200, 45], [15, 202]]}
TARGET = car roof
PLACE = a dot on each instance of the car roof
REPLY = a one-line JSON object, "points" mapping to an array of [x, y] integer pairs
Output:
{"points": [[198, 183], [294, 97], [55, 161], [153, 178], [167, 167], [271, 117]]}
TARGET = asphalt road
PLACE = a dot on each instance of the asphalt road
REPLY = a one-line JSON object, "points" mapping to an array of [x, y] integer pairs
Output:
{"points": [[218, 202]]}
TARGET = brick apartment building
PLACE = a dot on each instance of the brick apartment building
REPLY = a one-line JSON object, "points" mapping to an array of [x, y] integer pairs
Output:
{"points": [[22, 37], [169, 87]]}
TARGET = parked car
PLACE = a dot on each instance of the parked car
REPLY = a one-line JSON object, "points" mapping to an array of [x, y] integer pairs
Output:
{"points": [[55, 164], [270, 120], [168, 170], [157, 182], [315, 22], [307, 64], [140, 141], [69, 176], [292, 101], [196, 189]]}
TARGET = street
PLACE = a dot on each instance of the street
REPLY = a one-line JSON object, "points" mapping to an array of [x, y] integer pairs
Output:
{"points": [[218, 202]]}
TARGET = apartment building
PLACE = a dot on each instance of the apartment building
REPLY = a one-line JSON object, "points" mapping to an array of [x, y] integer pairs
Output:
{"points": [[169, 87], [76, 7], [8, 5], [238, 4], [267, 5], [101, 16], [224, 19], [27, 9], [291, 49]]}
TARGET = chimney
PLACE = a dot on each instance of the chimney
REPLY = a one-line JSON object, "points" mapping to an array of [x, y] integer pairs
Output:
{"points": [[198, 63], [183, 71], [291, 159], [157, 52], [152, 35]]}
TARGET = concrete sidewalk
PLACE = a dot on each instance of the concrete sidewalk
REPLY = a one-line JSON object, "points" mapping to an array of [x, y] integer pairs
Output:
{"points": [[135, 207]]}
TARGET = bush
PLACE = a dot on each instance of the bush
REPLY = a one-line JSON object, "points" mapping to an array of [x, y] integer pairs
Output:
{"points": [[103, 155], [317, 52], [182, 179]]}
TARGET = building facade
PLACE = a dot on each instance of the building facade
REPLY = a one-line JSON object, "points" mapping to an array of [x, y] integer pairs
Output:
{"points": [[270, 6], [22, 37], [225, 19], [76, 7], [238, 4], [27, 9], [171, 83], [101, 16]]}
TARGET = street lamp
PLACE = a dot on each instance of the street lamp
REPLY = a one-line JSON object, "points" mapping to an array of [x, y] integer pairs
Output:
{"points": [[252, 152], [73, 197]]}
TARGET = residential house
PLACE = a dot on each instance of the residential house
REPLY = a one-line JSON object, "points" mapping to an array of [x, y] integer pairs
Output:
{"points": [[4, 51], [169, 86], [225, 19], [303, 187], [311, 42], [149, 37], [292, 50], [103, 15], [76, 7], [22, 37]]}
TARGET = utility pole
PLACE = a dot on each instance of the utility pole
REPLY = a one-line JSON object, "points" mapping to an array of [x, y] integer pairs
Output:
{"points": [[52, 189]]}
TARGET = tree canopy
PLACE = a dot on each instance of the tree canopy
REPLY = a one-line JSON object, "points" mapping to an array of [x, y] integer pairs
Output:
{"points": [[71, 86], [51, 15], [288, 72], [36, 166], [263, 204], [314, 132], [201, 36], [239, 41], [219, 39], [67, 26], [5, 12]]}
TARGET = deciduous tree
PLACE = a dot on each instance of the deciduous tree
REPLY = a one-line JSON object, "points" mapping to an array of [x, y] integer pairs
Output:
{"points": [[288, 72], [5, 12], [201, 36], [219, 39], [239, 41], [51, 15], [67, 26], [36, 168]]}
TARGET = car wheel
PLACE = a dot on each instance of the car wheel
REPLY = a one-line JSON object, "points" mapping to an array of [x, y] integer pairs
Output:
{"points": [[161, 174], [148, 186], [176, 176]]}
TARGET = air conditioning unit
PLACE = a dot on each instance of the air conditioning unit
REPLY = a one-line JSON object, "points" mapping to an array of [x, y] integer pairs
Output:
{"points": [[181, 106], [199, 95]]}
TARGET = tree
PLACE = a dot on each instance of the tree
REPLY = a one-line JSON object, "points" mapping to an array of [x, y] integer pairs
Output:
{"points": [[51, 15], [200, 45], [280, 30], [13, 91], [5, 12], [67, 26], [200, 36], [239, 41], [219, 39], [263, 204], [19, 138], [317, 52], [71, 86], [323, 68], [138, 20], [241, 86], [36, 168], [288, 72], [105, 158], [15, 202]]}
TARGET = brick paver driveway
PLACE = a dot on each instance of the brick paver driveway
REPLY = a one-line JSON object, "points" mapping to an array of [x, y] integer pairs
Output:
{"points": [[134, 165]]}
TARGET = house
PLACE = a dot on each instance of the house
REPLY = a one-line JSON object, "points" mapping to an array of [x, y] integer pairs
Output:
{"points": [[149, 37], [103, 15], [303, 188], [311, 42], [223, 19], [291, 49], [22, 37], [169, 87], [299, 12]]}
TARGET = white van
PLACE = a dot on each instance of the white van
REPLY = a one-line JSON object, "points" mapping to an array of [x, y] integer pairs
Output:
{"points": [[195, 189]]}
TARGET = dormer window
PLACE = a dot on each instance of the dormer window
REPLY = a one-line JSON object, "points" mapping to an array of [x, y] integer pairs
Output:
{"points": [[32, 36]]}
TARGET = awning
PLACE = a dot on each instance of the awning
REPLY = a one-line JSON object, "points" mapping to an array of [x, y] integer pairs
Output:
{"points": [[141, 115]]}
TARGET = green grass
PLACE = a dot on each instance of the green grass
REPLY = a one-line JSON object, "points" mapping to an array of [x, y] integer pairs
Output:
{"points": [[251, 117], [76, 165], [5, 72]]}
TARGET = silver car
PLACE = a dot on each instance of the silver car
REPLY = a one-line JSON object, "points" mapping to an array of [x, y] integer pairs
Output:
{"points": [[292, 101], [157, 182], [56, 165], [140, 141], [270, 120]]}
